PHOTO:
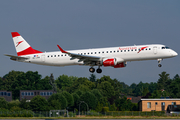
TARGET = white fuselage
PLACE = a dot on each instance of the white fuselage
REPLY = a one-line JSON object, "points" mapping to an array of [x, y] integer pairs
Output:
{"points": [[127, 53]]}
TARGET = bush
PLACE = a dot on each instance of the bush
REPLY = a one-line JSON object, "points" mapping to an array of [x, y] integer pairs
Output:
{"points": [[23, 113], [71, 114], [105, 109], [135, 113]]}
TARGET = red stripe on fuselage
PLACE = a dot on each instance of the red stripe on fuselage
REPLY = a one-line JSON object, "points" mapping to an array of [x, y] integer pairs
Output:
{"points": [[28, 51]]}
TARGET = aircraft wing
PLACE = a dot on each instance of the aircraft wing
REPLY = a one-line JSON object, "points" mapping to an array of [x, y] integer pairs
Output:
{"points": [[12, 57], [87, 59]]}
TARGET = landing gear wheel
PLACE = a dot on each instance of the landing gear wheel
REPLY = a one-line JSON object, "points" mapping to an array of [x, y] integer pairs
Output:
{"points": [[159, 65], [99, 70], [91, 70]]}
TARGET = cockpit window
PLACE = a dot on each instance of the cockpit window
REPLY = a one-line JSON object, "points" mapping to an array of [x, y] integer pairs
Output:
{"points": [[165, 47]]}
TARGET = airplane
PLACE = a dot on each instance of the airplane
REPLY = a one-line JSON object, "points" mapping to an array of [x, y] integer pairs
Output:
{"points": [[116, 57]]}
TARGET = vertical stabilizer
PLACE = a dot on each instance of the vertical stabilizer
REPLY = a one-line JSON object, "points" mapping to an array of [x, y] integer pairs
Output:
{"points": [[22, 47]]}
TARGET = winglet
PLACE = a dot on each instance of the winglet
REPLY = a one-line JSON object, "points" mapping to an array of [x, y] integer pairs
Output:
{"points": [[61, 49]]}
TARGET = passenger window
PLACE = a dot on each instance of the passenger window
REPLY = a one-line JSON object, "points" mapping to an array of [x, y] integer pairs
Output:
{"points": [[61, 55], [99, 52], [107, 51], [128, 50], [149, 48], [88, 53], [54, 55], [132, 50], [58, 55], [48, 56], [91, 52], [51, 55], [124, 50], [102, 51], [95, 53], [84, 53], [135, 49], [114, 51], [117, 50], [121, 51]]}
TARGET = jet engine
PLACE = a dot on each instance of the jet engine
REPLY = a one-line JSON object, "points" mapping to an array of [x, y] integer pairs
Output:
{"points": [[114, 62], [109, 62], [120, 65]]}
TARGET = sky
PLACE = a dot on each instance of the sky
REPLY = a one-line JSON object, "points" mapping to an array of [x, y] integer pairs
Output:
{"points": [[81, 24]]}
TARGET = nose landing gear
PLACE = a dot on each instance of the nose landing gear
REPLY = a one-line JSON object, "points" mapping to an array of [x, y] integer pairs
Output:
{"points": [[159, 61]]}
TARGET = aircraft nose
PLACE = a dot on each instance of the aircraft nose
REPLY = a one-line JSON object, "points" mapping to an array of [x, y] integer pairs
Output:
{"points": [[174, 53]]}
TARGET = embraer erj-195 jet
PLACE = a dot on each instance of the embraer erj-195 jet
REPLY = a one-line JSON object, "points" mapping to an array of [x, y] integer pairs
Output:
{"points": [[116, 57]]}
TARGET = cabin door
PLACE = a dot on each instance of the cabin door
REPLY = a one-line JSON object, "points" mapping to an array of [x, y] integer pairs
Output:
{"points": [[155, 49]]}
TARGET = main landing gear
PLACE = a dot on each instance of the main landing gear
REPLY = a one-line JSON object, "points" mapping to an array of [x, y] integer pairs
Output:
{"points": [[159, 61], [92, 70]]}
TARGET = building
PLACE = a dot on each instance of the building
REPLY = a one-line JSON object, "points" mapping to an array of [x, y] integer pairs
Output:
{"points": [[157, 104], [29, 94], [6, 94]]}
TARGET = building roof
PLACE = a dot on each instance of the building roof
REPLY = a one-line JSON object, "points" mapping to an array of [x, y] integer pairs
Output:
{"points": [[160, 99]]}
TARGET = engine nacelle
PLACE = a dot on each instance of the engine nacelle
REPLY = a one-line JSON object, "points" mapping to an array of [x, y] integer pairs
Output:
{"points": [[109, 62], [120, 65]]}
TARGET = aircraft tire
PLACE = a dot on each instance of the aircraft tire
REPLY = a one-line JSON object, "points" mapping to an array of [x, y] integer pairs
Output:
{"points": [[99, 70], [159, 65], [91, 70]]}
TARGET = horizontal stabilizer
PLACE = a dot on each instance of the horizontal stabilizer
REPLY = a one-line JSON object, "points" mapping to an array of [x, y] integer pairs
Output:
{"points": [[16, 58]]}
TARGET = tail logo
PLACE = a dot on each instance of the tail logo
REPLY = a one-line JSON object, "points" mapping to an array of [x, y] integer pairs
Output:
{"points": [[19, 43]]}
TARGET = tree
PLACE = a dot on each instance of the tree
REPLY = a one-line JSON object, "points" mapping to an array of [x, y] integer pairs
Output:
{"points": [[57, 101], [16, 80], [76, 99], [92, 78], [88, 98], [51, 81], [64, 82], [99, 107], [97, 94], [123, 104], [156, 94], [13, 103], [79, 92], [82, 84], [23, 104], [39, 103], [113, 107], [145, 91], [106, 89], [69, 98], [3, 103], [140, 88], [162, 81]]}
